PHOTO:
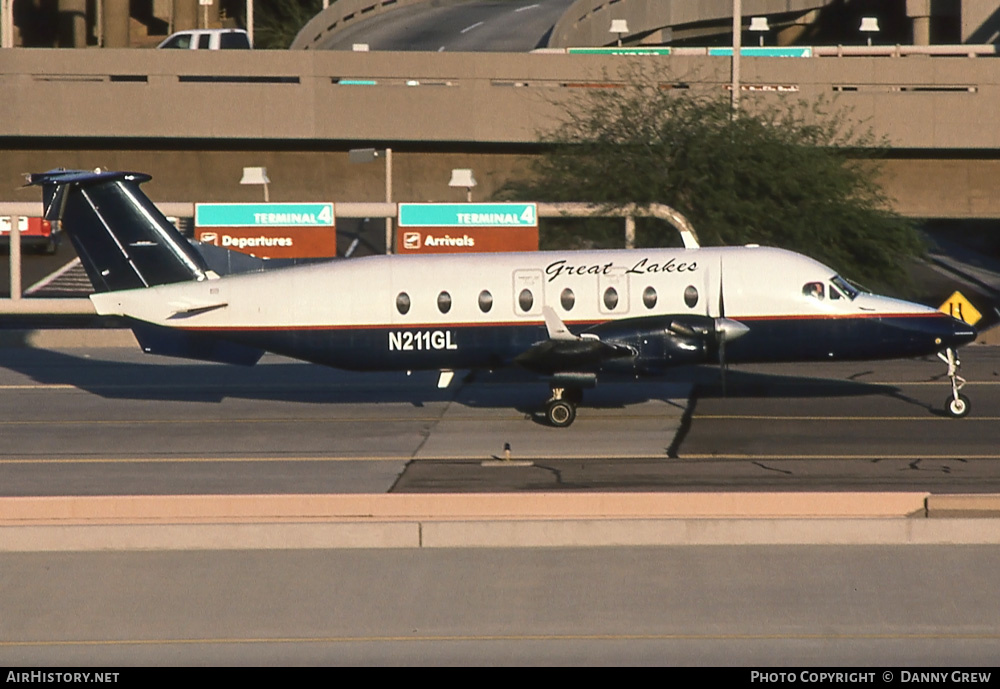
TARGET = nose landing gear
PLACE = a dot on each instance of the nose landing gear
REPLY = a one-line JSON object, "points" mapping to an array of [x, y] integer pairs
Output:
{"points": [[956, 405]]}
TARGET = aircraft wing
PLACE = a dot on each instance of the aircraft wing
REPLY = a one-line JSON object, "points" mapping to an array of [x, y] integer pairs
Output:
{"points": [[643, 345], [564, 351]]}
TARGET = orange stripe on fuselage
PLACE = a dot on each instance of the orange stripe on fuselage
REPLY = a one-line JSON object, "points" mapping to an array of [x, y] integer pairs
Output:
{"points": [[509, 324]]}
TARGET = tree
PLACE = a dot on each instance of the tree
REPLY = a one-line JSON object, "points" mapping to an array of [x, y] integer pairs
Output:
{"points": [[793, 177], [278, 22]]}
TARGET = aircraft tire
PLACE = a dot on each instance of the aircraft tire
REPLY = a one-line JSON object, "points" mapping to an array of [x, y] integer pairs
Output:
{"points": [[560, 413], [957, 408]]}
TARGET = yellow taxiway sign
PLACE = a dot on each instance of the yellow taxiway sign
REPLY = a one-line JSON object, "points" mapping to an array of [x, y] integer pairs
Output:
{"points": [[959, 307]]}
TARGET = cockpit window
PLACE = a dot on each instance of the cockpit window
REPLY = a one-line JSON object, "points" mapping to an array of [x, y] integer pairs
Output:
{"points": [[847, 288], [813, 289]]}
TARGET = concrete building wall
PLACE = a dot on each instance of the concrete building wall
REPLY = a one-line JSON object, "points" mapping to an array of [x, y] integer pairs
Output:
{"points": [[919, 188], [916, 102], [214, 175], [193, 119]]}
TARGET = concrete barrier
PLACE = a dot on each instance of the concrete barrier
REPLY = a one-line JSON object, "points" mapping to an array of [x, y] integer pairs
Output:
{"points": [[951, 506], [67, 338], [488, 520], [194, 509]]}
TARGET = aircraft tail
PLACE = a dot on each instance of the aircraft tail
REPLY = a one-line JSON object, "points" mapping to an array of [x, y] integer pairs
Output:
{"points": [[122, 239]]}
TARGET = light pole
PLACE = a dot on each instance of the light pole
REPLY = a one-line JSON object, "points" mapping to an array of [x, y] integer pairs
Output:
{"points": [[370, 155], [619, 26], [869, 26], [759, 26], [737, 47], [462, 177], [257, 175], [7, 21]]}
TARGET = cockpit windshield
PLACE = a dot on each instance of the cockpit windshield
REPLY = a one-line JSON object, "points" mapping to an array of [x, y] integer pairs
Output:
{"points": [[847, 288]]}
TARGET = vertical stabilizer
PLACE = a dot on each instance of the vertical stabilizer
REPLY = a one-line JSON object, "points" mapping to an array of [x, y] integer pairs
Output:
{"points": [[123, 240]]}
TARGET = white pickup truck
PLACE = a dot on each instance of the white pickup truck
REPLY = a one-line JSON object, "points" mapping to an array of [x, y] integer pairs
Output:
{"points": [[208, 39]]}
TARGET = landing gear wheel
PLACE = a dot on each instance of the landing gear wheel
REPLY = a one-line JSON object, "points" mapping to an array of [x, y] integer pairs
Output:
{"points": [[560, 413], [957, 407]]}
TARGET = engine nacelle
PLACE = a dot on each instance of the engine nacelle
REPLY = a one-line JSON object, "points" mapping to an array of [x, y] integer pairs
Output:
{"points": [[659, 342]]}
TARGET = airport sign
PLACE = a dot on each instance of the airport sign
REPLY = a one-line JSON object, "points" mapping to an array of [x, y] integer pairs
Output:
{"points": [[958, 306], [619, 50], [468, 215], [438, 228], [269, 230], [763, 51], [264, 215]]}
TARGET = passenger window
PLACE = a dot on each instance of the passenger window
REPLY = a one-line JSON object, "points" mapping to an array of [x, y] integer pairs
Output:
{"points": [[649, 297], [403, 303], [444, 302], [610, 298], [485, 301], [567, 299], [813, 289], [203, 41], [525, 300], [691, 296]]}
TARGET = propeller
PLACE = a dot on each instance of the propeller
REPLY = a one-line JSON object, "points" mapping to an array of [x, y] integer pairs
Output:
{"points": [[720, 329], [725, 329]]}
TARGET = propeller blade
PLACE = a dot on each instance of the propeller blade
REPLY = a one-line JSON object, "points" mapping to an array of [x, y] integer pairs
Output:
{"points": [[722, 363], [722, 301], [721, 331]]}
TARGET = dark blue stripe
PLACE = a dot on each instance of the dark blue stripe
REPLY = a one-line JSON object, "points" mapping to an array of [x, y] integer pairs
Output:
{"points": [[491, 346]]}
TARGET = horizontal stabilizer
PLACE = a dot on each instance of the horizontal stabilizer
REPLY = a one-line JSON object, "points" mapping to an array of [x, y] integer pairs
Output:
{"points": [[186, 309]]}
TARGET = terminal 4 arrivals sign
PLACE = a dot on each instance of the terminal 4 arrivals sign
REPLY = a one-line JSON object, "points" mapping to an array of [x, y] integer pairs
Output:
{"points": [[449, 228], [269, 230]]}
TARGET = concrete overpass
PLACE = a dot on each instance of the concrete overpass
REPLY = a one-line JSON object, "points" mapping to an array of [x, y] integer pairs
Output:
{"points": [[194, 119], [121, 24], [705, 22]]}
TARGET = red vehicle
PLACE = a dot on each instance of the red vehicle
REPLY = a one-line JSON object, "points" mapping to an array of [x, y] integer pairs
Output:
{"points": [[36, 233]]}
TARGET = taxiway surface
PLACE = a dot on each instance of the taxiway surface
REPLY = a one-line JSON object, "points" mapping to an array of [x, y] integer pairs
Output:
{"points": [[81, 421], [877, 607]]}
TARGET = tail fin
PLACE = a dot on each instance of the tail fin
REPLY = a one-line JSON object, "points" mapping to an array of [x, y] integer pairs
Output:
{"points": [[123, 240]]}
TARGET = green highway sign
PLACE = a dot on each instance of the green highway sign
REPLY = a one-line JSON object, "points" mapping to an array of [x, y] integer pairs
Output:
{"points": [[468, 215], [651, 50], [765, 51], [263, 215]]}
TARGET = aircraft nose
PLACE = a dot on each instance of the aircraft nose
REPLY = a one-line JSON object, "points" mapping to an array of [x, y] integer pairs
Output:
{"points": [[957, 333]]}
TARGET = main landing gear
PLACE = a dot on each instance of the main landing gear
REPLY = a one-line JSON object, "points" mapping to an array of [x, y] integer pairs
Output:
{"points": [[560, 410], [956, 405]]}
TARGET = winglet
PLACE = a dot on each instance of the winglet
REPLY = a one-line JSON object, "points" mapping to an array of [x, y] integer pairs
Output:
{"points": [[557, 329]]}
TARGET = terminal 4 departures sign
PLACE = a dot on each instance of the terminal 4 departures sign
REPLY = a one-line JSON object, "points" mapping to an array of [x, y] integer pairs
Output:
{"points": [[269, 230], [448, 228]]}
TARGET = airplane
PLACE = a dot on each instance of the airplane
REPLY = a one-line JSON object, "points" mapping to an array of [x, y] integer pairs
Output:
{"points": [[567, 316]]}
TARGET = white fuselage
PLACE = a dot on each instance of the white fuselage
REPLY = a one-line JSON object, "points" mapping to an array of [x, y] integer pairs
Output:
{"points": [[483, 310], [755, 282]]}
